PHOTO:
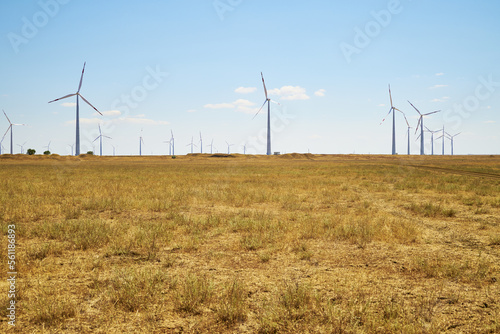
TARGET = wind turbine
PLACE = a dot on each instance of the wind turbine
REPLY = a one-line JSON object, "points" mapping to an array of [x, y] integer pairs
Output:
{"points": [[268, 101], [172, 142], [72, 146], [421, 125], [11, 125], [451, 138], [201, 144], [442, 144], [245, 149], [48, 146], [100, 141], [211, 146], [113, 150], [393, 121], [169, 146], [192, 144], [22, 147], [141, 141], [408, 135], [228, 146], [432, 138], [78, 95]]}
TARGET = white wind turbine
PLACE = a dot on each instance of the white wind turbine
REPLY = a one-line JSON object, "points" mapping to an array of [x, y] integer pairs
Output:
{"points": [[100, 141], [392, 109], [268, 101], [211, 146], [432, 138], [72, 146], [11, 125], [141, 141], [228, 146], [201, 144], [451, 138], [169, 146], [78, 95], [421, 125], [192, 144], [113, 150], [22, 147], [48, 146], [172, 142]]}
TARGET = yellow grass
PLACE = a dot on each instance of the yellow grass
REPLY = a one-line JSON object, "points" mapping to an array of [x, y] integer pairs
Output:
{"points": [[282, 244]]}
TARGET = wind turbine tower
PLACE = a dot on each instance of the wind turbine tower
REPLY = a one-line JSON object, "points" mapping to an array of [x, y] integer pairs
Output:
{"points": [[172, 142], [421, 125], [201, 144], [78, 95]]}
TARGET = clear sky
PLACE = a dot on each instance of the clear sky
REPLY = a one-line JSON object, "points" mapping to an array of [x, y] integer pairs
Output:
{"points": [[194, 65]]}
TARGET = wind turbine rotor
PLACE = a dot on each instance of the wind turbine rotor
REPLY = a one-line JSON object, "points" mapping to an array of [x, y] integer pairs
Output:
{"points": [[390, 96], [89, 103], [260, 109]]}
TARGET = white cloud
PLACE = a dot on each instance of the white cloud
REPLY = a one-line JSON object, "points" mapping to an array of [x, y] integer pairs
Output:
{"points": [[439, 74], [120, 120], [68, 104], [245, 90], [240, 105], [381, 105], [490, 122], [438, 86], [443, 99], [290, 93], [320, 92], [219, 106]]}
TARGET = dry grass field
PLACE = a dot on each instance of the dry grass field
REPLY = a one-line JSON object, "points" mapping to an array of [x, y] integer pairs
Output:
{"points": [[253, 244]]}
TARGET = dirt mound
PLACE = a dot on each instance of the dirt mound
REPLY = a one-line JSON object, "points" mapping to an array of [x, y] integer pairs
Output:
{"points": [[221, 155]]}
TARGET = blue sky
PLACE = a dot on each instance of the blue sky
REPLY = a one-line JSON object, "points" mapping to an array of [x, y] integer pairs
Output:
{"points": [[194, 65]]}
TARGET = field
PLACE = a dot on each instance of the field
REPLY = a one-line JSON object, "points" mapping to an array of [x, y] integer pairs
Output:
{"points": [[253, 244]]}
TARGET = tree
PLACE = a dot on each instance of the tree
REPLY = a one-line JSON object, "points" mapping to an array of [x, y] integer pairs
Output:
{"points": [[46, 152], [90, 152], [30, 151]]}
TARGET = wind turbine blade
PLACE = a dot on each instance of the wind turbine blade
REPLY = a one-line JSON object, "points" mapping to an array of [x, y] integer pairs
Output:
{"points": [[5, 134], [390, 96], [89, 104], [418, 124], [69, 95], [404, 117], [96, 138], [275, 102], [81, 78], [7, 117], [99, 125], [430, 113], [260, 109], [18, 124], [386, 116], [107, 137], [415, 108], [265, 89]]}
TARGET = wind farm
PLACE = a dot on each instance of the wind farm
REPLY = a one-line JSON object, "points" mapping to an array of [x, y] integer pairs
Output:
{"points": [[177, 191]]}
